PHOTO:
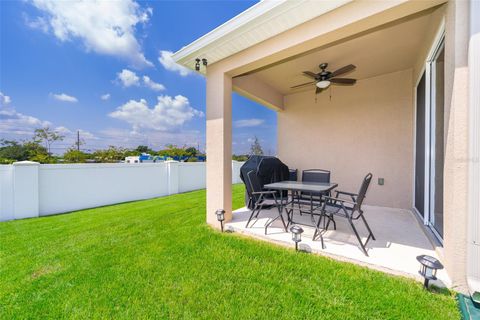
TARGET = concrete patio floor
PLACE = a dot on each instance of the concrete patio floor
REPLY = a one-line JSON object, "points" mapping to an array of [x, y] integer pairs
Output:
{"points": [[399, 239]]}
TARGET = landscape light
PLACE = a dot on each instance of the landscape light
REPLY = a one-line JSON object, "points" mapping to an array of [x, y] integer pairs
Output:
{"points": [[220, 217], [296, 235], [428, 268]]}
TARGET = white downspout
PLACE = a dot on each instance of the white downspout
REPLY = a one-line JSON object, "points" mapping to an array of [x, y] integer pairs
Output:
{"points": [[473, 236]]}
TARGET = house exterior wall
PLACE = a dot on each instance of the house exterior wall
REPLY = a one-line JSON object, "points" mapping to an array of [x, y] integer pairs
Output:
{"points": [[385, 115], [364, 128]]}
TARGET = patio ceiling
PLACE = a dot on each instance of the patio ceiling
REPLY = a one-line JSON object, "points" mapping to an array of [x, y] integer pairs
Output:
{"points": [[387, 49]]}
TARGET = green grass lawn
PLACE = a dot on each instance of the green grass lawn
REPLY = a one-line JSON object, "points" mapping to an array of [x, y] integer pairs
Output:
{"points": [[158, 259]]}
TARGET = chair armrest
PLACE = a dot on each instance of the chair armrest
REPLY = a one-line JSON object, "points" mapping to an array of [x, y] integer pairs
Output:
{"points": [[339, 200], [346, 193], [264, 192]]}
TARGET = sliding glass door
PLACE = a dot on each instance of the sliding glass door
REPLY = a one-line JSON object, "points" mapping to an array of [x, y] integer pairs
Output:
{"points": [[420, 149], [430, 141]]}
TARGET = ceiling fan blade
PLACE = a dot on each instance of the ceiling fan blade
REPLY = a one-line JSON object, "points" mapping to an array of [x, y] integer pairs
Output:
{"points": [[303, 84], [310, 74], [342, 70], [343, 80]]}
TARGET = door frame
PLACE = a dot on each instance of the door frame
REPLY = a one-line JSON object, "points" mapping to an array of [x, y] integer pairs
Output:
{"points": [[432, 94], [429, 193]]}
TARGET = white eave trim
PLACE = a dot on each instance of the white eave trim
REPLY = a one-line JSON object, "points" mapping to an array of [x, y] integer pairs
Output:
{"points": [[264, 13]]}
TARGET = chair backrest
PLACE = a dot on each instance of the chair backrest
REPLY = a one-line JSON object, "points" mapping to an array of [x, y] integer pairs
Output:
{"points": [[363, 191], [253, 185], [316, 175], [292, 174]]}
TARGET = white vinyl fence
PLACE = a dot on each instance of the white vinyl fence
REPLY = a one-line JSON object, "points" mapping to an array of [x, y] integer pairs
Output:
{"points": [[29, 189]]}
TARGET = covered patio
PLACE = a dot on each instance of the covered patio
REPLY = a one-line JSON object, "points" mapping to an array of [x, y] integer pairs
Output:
{"points": [[399, 239], [350, 130]]}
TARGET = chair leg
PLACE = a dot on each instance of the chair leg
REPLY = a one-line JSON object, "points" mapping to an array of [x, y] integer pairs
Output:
{"points": [[358, 236], [252, 215], [368, 227], [281, 217], [318, 232]]}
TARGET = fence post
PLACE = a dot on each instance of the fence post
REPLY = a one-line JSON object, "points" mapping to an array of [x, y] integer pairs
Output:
{"points": [[25, 189], [172, 174]]}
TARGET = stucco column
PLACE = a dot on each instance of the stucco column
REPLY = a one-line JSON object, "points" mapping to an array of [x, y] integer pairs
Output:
{"points": [[456, 144], [219, 144]]}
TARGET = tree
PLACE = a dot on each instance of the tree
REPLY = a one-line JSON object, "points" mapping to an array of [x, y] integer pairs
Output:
{"points": [[144, 149], [191, 151], [11, 151], [112, 154], [75, 156], [172, 150], [240, 157], [47, 136], [256, 148]]}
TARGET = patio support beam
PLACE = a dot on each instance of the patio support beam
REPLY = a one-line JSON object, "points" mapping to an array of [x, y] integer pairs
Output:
{"points": [[219, 144], [255, 89]]}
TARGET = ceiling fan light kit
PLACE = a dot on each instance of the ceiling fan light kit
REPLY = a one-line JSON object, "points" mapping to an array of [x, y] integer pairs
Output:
{"points": [[323, 84]]}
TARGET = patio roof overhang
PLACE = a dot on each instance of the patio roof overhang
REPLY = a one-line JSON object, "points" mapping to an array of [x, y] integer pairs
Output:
{"points": [[274, 32], [256, 24]]}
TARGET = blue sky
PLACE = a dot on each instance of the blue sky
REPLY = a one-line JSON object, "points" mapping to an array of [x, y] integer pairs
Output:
{"points": [[105, 69]]}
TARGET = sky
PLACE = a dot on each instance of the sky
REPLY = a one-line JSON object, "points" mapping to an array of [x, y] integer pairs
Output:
{"points": [[105, 69]]}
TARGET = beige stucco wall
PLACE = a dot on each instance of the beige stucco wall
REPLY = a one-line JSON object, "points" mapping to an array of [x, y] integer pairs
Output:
{"points": [[456, 150], [364, 128]]}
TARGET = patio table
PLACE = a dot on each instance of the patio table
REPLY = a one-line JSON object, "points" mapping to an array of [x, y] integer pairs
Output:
{"points": [[295, 187]]}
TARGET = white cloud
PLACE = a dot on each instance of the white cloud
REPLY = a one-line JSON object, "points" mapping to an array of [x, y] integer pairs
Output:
{"points": [[62, 130], [105, 96], [128, 78], [64, 97], [39, 23], [16, 123], [167, 114], [244, 123], [168, 63], [105, 27], [4, 100], [85, 135], [152, 84]]}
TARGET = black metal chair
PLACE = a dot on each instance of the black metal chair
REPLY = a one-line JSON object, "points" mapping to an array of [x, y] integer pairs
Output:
{"points": [[259, 200], [350, 208], [312, 175], [292, 174]]}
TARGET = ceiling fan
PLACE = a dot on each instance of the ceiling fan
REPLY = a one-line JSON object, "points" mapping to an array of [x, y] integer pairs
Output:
{"points": [[325, 78]]}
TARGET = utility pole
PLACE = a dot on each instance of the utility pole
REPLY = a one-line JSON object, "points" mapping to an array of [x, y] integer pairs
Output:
{"points": [[78, 140]]}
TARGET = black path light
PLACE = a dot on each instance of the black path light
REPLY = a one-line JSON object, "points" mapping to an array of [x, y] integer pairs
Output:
{"points": [[428, 268], [296, 235], [220, 217]]}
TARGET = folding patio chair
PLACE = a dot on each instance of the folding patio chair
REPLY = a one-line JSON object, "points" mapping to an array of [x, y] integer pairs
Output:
{"points": [[259, 201], [350, 208], [312, 175]]}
